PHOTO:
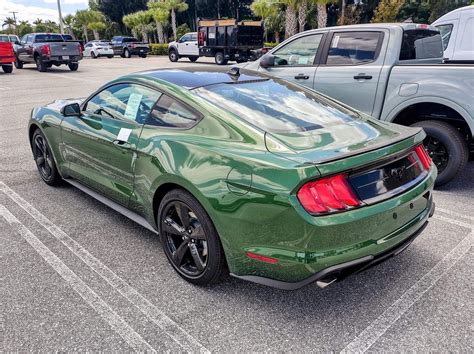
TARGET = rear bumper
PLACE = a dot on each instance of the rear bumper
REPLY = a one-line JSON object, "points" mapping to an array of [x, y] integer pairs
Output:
{"points": [[58, 60], [138, 51], [340, 271], [7, 60]]}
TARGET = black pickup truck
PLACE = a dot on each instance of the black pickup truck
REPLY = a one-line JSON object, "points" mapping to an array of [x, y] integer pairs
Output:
{"points": [[128, 46], [46, 50]]}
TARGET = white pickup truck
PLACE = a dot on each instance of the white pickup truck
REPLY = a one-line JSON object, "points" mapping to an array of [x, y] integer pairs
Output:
{"points": [[393, 72]]}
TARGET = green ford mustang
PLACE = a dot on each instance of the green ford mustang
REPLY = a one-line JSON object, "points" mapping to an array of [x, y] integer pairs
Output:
{"points": [[242, 173]]}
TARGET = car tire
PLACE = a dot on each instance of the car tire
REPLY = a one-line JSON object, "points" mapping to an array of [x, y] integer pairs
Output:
{"points": [[127, 54], [173, 55], [93, 56], [196, 253], [44, 159], [40, 65], [7, 69], [193, 59], [220, 59], [142, 55], [18, 63], [73, 66], [110, 56], [446, 147]]}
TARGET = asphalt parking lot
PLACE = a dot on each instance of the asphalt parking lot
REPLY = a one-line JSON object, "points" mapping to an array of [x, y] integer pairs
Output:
{"points": [[76, 275]]}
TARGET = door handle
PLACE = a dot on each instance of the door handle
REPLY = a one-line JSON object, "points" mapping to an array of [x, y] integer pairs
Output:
{"points": [[301, 77], [122, 144], [362, 77]]}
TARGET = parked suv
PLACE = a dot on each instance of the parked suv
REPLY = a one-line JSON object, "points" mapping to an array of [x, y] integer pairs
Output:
{"points": [[128, 46], [46, 50]]}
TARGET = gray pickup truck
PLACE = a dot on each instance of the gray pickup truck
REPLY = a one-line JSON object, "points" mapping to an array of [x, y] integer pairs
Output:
{"points": [[46, 50], [393, 72]]}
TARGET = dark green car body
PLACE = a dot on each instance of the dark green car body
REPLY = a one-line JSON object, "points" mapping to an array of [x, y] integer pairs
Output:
{"points": [[245, 177]]}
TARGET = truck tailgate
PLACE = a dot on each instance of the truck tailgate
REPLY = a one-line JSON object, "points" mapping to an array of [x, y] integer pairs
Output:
{"points": [[64, 49]]}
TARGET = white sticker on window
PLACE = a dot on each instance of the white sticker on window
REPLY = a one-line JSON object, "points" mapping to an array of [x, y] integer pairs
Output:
{"points": [[124, 134], [335, 42], [132, 106], [212, 35]]}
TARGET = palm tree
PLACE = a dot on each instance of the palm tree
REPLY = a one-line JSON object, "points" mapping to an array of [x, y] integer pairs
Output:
{"points": [[291, 21], [175, 6], [143, 19], [131, 21], [160, 15], [302, 9], [83, 20], [10, 23], [96, 22], [322, 13], [68, 21], [264, 9]]}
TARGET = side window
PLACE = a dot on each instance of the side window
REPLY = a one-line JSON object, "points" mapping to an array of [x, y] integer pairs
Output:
{"points": [[23, 39], [446, 31], [354, 48], [194, 37], [301, 51], [89, 45], [124, 101], [29, 39], [172, 114]]}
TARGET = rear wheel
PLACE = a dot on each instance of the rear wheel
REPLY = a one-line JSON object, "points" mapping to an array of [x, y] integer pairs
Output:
{"points": [[189, 238], [193, 59], [126, 53], [73, 66], [44, 159], [173, 55], [446, 147], [220, 59], [40, 65], [8, 69], [18, 63], [142, 55]]}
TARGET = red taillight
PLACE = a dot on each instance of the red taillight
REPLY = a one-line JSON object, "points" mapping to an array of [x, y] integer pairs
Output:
{"points": [[81, 47], [45, 50], [423, 156], [327, 195], [200, 38], [262, 258]]}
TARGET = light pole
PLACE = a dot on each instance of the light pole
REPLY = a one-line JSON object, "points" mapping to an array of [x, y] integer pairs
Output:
{"points": [[61, 25]]}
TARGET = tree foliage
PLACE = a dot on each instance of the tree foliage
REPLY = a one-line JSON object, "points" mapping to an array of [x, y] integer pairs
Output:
{"points": [[387, 11]]}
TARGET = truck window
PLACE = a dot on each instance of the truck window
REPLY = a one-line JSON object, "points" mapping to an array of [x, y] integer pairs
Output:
{"points": [[48, 38], [4, 38], [421, 44], [354, 48], [446, 31], [301, 51]]}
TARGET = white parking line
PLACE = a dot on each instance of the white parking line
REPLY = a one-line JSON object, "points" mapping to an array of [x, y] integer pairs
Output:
{"points": [[453, 213], [167, 325], [377, 328], [452, 221], [117, 323]]}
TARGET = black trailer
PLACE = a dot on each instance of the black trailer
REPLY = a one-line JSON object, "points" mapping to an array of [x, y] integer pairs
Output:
{"points": [[229, 39]]}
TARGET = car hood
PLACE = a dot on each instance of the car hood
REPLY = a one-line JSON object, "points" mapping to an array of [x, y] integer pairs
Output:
{"points": [[338, 141]]}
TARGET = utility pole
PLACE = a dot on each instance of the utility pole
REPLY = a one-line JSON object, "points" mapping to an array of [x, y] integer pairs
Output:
{"points": [[61, 25], [14, 19]]}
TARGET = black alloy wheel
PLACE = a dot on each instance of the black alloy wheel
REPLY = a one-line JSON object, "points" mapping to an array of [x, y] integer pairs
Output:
{"points": [[44, 159], [189, 239], [438, 152]]}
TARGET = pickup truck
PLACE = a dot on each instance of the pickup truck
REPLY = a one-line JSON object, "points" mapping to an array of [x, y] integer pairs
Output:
{"points": [[46, 50], [128, 46], [393, 72], [7, 55]]}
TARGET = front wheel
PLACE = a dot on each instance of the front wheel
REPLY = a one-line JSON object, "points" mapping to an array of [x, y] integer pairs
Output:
{"points": [[142, 55], [7, 69], [446, 147], [73, 66], [220, 58], [189, 239], [127, 54], [44, 159], [173, 55]]}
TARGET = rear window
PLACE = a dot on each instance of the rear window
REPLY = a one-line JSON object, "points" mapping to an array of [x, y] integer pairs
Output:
{"points": [[129, 39], [277, 106], [4, 38], [446, 31], [421, 44], [49, 38]]}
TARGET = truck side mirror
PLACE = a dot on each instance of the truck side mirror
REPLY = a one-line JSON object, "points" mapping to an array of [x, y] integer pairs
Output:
{"points": [[71, 110], [267, 60]]}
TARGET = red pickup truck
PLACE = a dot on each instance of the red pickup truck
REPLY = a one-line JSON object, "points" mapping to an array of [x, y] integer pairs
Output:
{"points": [[7, 56]]}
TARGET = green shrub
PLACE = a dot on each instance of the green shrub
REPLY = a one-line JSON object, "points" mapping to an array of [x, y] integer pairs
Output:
{"points": [[270, 44], [158, 49]]}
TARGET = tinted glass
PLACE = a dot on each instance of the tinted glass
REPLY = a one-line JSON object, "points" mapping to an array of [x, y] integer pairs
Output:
{"points": [[49, 38], [445, 34], [172, 114], [130, 39], [421, 44], [14, 39], [194, 37], [353, 48], [276, 105], [4, 38], [124, 101], [67, 37], [301, 51], [185, 38]]}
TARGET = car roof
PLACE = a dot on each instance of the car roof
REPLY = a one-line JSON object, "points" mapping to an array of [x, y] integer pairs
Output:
{"points": [[191, 78]]}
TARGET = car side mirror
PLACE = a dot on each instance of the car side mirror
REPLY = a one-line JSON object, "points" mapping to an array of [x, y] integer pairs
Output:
{"points": [[71, 110], [267, 60]]}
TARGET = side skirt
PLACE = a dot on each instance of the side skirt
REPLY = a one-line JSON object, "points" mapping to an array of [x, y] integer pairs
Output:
{"points": [[113, 205]]}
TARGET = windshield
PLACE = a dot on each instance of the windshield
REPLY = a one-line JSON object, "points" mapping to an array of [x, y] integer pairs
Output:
{"points": [[277, 106], [49, 38]]}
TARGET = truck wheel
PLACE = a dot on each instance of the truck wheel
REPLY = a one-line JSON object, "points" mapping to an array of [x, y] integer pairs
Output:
{"points": [[193, 59], [18, 63], [126, 53], [220, 59], [40, 65], [173, 55], [446, 147], [73, 66], [8, 69], [142, 55]]}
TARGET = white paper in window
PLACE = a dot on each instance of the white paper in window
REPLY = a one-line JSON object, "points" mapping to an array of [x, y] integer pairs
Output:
{"points": [[335, 42], [132, 106]]}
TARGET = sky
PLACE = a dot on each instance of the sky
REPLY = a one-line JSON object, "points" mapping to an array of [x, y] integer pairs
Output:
{"points": [[44, 9]]}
